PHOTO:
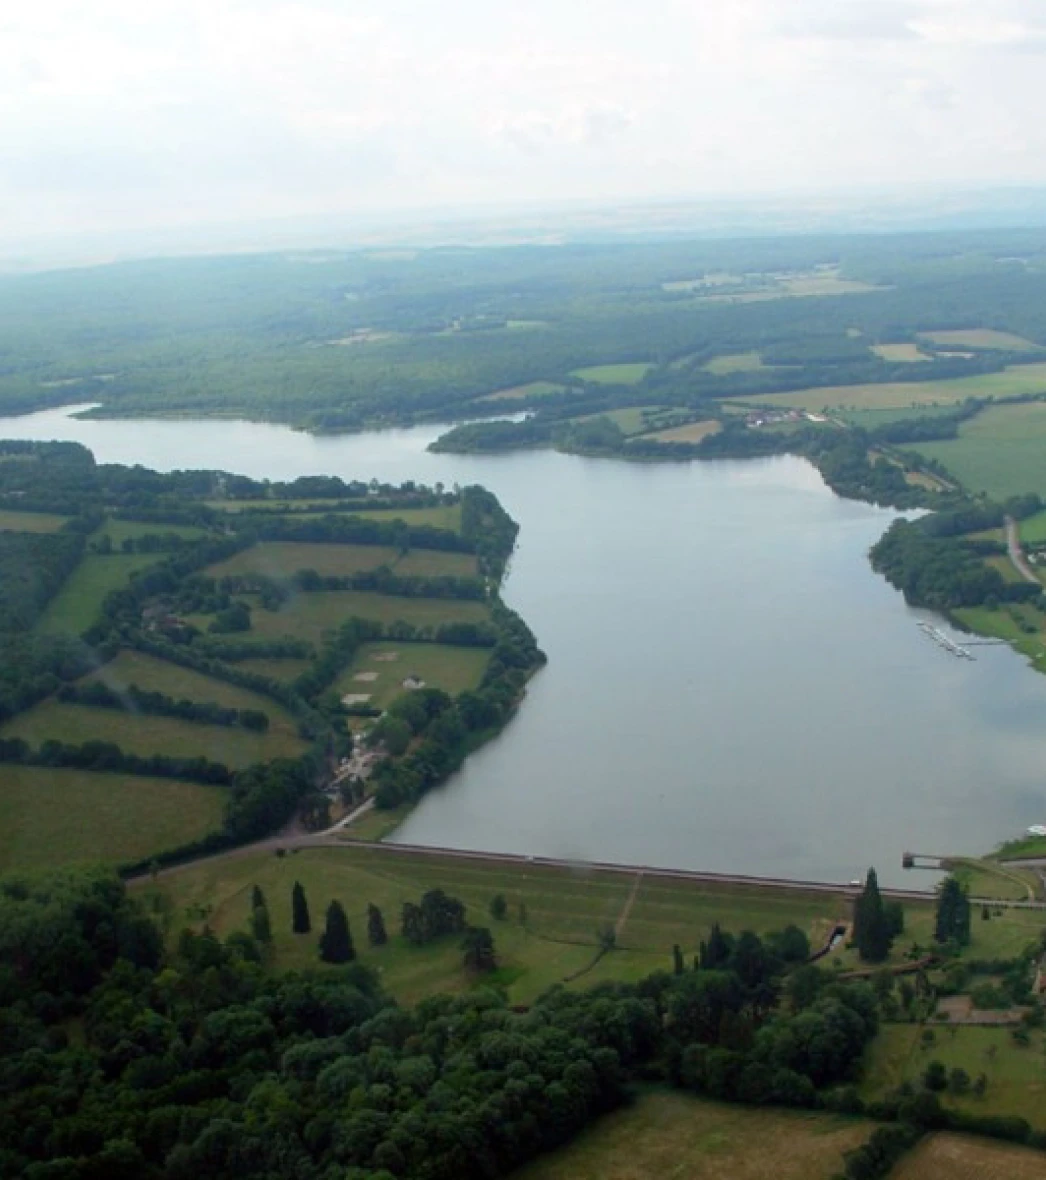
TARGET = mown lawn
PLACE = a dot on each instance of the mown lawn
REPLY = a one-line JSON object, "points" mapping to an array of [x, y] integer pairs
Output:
{"points": [[961, 1157], [454, 669], [146, 734], [79, 602], [671, 1135], [57, 817]]}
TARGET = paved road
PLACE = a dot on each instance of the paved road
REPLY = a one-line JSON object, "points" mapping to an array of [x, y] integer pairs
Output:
{"points": [[1013, 544]]}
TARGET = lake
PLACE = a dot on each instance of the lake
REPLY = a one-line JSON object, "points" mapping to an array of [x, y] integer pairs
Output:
{"points": [[730, 687]]}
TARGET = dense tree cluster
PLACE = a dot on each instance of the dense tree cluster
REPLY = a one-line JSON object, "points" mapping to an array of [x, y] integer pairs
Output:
{"points": [[952, 913], [133, 699], [436, 915]]}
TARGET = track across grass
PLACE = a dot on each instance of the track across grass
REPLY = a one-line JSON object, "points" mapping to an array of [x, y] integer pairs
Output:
{"points": [[668, 1134], [54, 817], [438, 665], [79, 602]]}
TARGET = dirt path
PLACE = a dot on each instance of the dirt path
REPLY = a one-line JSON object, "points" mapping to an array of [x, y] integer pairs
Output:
{"points": [[626, 909], [1013, 545]]}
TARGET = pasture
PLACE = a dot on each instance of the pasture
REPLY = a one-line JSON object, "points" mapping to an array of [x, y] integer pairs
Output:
{"points": [[1010, 382], [283, 670], [1000, 451], [51, 817], [899, 353], [962, 1157], [734, 362], [870, 419], [282, 559], [980, 338], [1016, 1076], [30, 522], [309, 616], [692, 432], [517, 393], [629, 373], [79, 602], [1033, 529], [119, 531], [565, 911], [670, 1134], [439, 516], [147, 734], [154, 675], [438, 665]]}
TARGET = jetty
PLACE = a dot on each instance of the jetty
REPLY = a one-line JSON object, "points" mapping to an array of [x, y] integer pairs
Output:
{"points": [[949, 644]]}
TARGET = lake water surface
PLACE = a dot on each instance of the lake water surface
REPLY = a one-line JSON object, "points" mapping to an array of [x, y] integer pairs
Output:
{"points": [[730, 686]]}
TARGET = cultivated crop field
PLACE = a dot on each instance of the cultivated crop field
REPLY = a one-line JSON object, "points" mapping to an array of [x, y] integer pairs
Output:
{"points": [[666, 1134], [693, 432], [308, 616], [961, 1157], [980, 338], [894, 353], [79, 602], [54, 817], [380, 669], [1000, 451], [148, 734], [735, 362]]}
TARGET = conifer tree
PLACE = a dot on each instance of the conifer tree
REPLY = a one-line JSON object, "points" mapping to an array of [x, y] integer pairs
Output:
{"points": [[300, 920], [677, 959], [376, 933], [478, 946], [873, 926], [952, 921], [336, 940]]}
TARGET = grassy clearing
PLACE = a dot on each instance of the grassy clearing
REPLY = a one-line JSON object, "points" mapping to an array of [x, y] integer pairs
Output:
{"points": [[693, 432], [517, 393], [894, 353], [119, 531], [980, 338], [1016, 1076], [1000, 451], [735, 362], [982, 878], [630, 373], [1010, 382], [454, 669], [282, 559], [30, 522], [962, 1157], [57, 817], [153, 675], [79, 602], [1033, 529], [666, 1134], [308, 616], [148, 734]]}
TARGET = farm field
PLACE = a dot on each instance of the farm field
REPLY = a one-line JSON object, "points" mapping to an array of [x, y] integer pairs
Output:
{"points": [[629, 373], [148, 734], [870, 419], [77, 605], [454, 669], [1033, 529], [1016, 1076], [440, 516], [693, 432], [668, 1134], [895, 353], [519, 392], [962, 1157], [1010, 382], [119, 531], [283, 670], [30, 522], [734, 362], [154, 675], [565, 910], [980, 338], [629, 419], [431, 563], [282, 559], [308, 616], [54, 817], [999, 451]]}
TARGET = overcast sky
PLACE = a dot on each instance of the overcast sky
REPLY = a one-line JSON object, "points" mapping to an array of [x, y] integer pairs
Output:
{"points": [[140, 113]]}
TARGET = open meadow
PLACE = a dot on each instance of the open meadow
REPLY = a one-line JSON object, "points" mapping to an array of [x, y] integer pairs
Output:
{"points": [[119, 531], [1000, 451], [55, 817], [78, 603], [668, 1134], [692, 432], [521, 392], [282, 559], [962, 1157], [900, 353], [30, 522], [734, 362], [628, 373], [379, 669]]}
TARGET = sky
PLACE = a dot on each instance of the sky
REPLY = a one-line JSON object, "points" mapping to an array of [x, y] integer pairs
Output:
{"points": [[119, 114]]}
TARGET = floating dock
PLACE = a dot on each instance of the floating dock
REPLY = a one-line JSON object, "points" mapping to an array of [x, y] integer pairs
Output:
{"points": [[949, 645]]}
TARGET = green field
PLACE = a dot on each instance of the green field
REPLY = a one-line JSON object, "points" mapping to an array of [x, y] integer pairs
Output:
{"points": [[78, 604], [1003, 623], [440, 516], [1033, 529], [147, 734], [1016, 1076], [454, 669], [153, 675], [282, 559], [519, 392], [667, 1135], [30, 522], [283, 670], [1000, 451], [1011, 382], [58, 817], [565, 911], [435, 563], [961, 1157], [905, 353], [630, 373], [870, 419], [734, 362], [119, 531], [980, 338], [692, 432]]}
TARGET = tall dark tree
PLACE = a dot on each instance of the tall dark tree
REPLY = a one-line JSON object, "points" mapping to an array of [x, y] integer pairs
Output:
{"points": [[300, 921], [952, 921], [478, 946], [677, 959], [336, 940], [872, 930], [376, 933], [257, 897], [716, 952]]}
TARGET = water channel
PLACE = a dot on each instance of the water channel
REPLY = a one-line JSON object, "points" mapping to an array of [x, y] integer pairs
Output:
{"points": [[730, 687]]}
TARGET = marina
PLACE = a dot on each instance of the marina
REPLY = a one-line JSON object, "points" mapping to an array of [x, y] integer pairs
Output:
{"points": [[949, 645]]}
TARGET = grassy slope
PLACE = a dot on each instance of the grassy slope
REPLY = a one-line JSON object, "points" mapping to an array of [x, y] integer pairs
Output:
{"points": [[454, 669], [667, 1134], [119, 531], [50, 817], [77, 605], [961, 1157], [30, 522], [1000, 451]]}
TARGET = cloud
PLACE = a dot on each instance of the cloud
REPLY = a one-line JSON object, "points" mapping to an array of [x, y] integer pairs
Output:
{"points": [[848, 20]]}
